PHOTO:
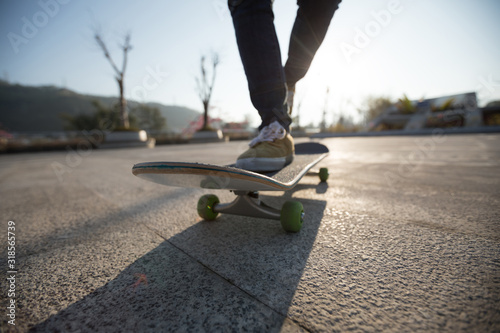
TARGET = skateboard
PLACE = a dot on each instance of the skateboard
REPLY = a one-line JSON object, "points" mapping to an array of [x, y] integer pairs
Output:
{"points": [[244, 184]]}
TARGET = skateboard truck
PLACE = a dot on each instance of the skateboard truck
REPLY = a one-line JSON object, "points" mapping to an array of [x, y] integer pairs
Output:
{"points": [[249, 204]]}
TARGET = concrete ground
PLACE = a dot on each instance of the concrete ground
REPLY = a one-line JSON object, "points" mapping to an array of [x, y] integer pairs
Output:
{"points": [[405, 236]]}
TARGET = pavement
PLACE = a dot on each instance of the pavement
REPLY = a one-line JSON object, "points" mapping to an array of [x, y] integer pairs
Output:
{"points": [[404, 237]]}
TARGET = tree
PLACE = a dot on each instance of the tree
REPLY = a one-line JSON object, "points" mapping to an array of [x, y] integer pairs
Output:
{"points": [[405, 105], [104, 118], [205, 86], [119, 73], [296, 117], [374, 107], [493, 104], [323, 125], [148, 118]]}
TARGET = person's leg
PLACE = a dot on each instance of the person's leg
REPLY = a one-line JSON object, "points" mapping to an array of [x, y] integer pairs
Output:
{"points": [[309, 30], [261, 57]]}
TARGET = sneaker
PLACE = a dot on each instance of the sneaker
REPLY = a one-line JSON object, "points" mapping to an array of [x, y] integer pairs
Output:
{"points": [[271, 150]]}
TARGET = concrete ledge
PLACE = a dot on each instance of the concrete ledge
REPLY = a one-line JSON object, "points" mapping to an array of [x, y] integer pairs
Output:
{"points": [[140, 136], [426, 131], [128, 140], [149, 143], [207, 136]]}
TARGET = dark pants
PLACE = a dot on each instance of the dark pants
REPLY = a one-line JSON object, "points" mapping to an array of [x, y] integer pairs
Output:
{"points": [[260, 52]]}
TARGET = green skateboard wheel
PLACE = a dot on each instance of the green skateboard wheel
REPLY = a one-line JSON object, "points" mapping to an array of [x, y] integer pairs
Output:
{"points": [[323, 174], [292, 216], [206, 207]]}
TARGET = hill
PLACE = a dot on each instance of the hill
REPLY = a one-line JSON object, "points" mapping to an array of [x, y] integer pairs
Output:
{"points": [[38, 109]]}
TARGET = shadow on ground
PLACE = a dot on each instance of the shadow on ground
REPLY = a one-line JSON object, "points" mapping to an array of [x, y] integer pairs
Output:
{"points": [[233, 274]]}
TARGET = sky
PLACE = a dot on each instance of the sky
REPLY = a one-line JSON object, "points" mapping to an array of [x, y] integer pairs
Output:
{"points": [[421, 48]]}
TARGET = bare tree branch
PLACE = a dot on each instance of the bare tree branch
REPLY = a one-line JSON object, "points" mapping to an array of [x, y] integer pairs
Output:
{"points": [[126, 48], [215, 63], [205, 85], [119, 74], [104, 49]]}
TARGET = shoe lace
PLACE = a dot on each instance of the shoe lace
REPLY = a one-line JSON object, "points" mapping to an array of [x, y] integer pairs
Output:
{"points": [[269, 133]]}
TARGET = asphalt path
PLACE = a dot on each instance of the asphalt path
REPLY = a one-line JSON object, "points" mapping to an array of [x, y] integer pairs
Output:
{"points": [[405, 236]]}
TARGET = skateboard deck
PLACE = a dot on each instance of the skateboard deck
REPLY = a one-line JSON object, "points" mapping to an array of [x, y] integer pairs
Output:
{"points": [[245, 184], [229, 177]]}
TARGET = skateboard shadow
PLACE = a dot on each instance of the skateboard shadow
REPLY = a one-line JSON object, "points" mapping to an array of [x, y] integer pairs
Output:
{"points": [[234, 274], [320, 188]]}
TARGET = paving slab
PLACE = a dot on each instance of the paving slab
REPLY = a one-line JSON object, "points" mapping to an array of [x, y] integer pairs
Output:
{"points": [[403, 237]]}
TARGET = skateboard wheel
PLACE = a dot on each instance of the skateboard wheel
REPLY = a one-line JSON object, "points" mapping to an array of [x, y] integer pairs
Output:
{"points": [[323, 174], [206, 206], [292, 216]]}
